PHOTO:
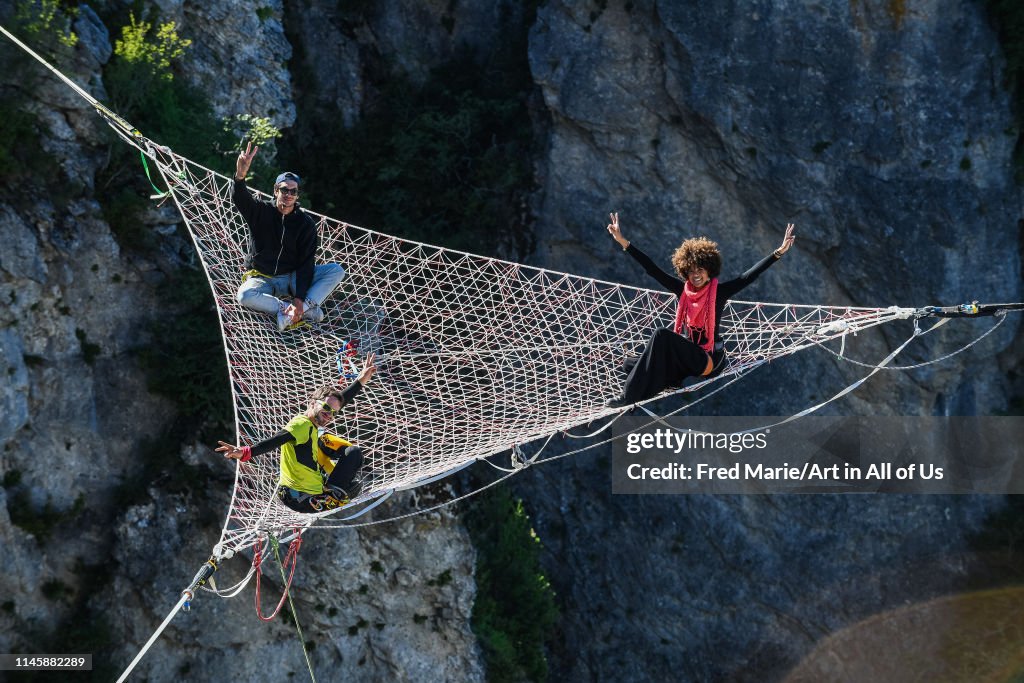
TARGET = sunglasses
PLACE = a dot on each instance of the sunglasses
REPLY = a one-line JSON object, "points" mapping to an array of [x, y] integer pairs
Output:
{"points": [[326, 408], [293, 191]]}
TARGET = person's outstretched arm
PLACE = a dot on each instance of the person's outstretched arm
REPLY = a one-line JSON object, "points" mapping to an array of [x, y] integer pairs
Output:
{"points": [[240, 195], [731, 287], [669, 282], [243, 453], [365, 375]]}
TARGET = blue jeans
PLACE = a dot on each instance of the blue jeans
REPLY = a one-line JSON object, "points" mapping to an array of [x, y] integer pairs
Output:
{"points": [[263, 293]]}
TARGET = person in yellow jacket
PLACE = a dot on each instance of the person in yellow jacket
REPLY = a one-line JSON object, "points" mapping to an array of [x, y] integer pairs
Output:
{"points": [[318, 470]]}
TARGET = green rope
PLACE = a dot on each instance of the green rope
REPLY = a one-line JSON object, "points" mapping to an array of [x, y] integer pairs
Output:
{"points": [[295, 616], [159, 192]]}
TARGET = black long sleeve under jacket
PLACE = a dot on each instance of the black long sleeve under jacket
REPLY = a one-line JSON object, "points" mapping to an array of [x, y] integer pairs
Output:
{"points": [[281, 244]]}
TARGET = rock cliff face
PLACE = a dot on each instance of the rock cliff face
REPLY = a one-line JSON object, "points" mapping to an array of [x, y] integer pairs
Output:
{"points": [[370, 603], [879, 129], [240, 57], [884, 137], [345, 47], [98, 550], [886, 140]]}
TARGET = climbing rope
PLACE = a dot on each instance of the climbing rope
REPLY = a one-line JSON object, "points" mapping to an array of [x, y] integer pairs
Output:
{"points": [[292, 556], [291, 603]]}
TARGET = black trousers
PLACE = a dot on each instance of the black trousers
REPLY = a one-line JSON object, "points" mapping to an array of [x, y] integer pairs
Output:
{"points": [[667, 360], [341, 478], [345, 469]]}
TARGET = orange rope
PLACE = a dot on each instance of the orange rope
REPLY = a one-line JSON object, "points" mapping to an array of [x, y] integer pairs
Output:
{"points": [[293, 555]]}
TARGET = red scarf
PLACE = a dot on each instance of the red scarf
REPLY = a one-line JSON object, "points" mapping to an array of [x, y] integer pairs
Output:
{"points": [[697, 311]]}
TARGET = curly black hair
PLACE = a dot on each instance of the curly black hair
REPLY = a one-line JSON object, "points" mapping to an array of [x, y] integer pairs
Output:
{"points": [[697, 252]]}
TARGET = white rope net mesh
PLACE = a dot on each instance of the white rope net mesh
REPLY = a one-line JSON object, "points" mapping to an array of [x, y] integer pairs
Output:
{"points": [[474, 355]]}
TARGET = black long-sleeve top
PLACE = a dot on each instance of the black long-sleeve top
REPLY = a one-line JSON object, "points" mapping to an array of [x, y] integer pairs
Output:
{"points": [[726, 290], [281, 244]]}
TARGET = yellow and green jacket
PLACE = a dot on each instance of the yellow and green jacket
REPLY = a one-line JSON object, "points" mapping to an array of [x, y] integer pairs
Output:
{"points": [[304, 465]]}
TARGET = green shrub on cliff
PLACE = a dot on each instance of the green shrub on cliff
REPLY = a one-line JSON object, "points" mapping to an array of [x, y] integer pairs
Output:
{"points": [[47, 24], [514, 612], [144, 89]]}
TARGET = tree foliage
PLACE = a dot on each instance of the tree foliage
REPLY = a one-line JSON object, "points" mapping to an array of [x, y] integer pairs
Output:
{"points": [[445, 160], [153, 54], [446, 163], [515, 612], [143, 89], [47, 23]]}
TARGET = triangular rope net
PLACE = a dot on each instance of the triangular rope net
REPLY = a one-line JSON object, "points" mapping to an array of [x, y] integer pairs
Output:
{"points": [[475, 354]]}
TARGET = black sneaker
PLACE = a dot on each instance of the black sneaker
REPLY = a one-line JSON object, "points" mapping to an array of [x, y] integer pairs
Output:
{"points": [[616, 403]]}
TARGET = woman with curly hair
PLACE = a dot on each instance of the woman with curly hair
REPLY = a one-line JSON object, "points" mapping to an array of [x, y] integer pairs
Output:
{"points": [[692, 348]]}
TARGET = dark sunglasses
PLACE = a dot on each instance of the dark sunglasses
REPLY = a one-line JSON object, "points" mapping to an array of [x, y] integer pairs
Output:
{"points": [[294, 191], [326, 408]]}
